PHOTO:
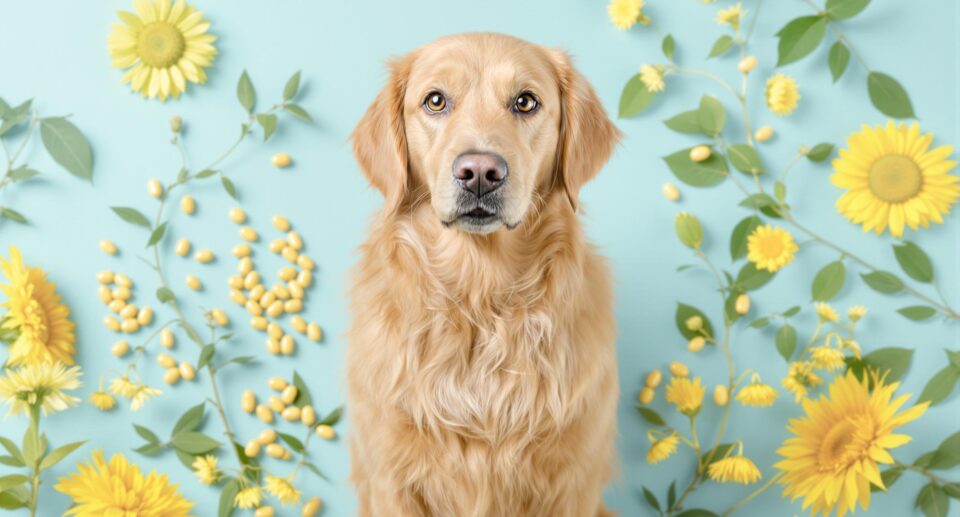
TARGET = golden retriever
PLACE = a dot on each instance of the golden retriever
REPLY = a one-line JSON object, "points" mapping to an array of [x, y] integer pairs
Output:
{"points": [[481, 368]]}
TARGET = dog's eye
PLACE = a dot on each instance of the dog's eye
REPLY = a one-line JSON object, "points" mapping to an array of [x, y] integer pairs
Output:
{"points": [[435, 101], [526, 103]]}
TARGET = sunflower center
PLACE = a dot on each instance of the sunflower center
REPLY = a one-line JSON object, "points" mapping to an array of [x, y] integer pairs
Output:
{"points": [[35, 324], [771, 247], [160, 44], [895, 178], [846, 443]]}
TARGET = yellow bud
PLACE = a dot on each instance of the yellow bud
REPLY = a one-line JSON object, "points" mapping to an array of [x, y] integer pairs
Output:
{"points": [[154, 188], [298, 324], [763, 134], [264, 413], [248, 401], [275, 450], [166, 361], [171, 376], [295, 241], [700, 153], [289, 254], [276, 404], [314, 332], [267, 436], [289, 394], [108, 247], [326, 432], [105, 277], [182, 248], [742, 304], [242, 250], [281, 160], [203, 256], [281, 223], [291, 413], [176, 123], [646, 395], [670, 191], [237, 215], [679, 369], [145, 316], [187, 371], [654, 378], [188, 205], [111, 323], [120, 348], [248, 234], [721, 395], [308, 415], [311, 507], [252, 450], [696, 343], [130, 326], [694, 323], [747, 64], [287, 345], [166, 338], [264, 511], [277, 383], [193, 282], [219, 317]]}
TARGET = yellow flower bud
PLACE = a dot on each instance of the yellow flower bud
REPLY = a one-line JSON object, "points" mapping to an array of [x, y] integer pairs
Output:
{"points": [[694, 323], [267, 436], [176, 123], [237, 215], [308, 415], [248, 234], [108, 247], [105, 277], [326, 432], [154, 188], [311, 507], [166, 361], [120, 348], [193, 282], [171, 376], [314, 332], [742, 304], [646, 395], [679, 369], [252, 450], [264, 413], [291, 413], [721, 395], [242, 250], [188, 205], [276, 404], [281, 223], [696, 344], [166, 338], [654, 378], [264, 511], [248, 401], [763, 134], [670, 191], [281, 160], [219, 317], [182, 248], [289, 394], [700, 153], [187, 371], [747, 64]]}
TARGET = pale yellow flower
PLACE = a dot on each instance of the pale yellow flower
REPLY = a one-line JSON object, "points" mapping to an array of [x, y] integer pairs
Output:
{"points": [[734, 469], [826, 312], [283, 490], [626, 13], [856, 313], [770, 248], [827, 358], [102, 400], [800, 378], [757, 394], [652, 78], [782, 94], [662, 449], [731, 16], [687, 395], [41, 385], [249, 497], [138, 393], [205, 468]]}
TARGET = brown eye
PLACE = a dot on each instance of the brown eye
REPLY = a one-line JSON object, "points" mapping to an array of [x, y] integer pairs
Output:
{"points": [[526, 103], [435, 102]]}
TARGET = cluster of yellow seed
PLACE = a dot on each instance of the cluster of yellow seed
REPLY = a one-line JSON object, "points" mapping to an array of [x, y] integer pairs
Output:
{"points": [[266, 305], [653, 380], [116, 291], [174, 370], [282, 404]]}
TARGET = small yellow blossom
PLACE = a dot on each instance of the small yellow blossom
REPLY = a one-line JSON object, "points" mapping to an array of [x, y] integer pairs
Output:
{"points": [[731, 16], [800, 378], [249, 497], [626, 13], [102, 400], [827, 358], [661, 449], [856, 313], [687, 395], [826, 312], [771, 248], [782, 94], [205, 468], [757, 394], [283, 490], [138, 393], [40, 386], [652, 78], [734, 469]]}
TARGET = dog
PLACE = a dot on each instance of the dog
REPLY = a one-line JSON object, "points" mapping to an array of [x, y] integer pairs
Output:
{"points": [[481, 370]]}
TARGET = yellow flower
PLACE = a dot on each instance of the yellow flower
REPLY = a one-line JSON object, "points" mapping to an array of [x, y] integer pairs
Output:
{"points": [[283, 490], [40, 386], [731, 16], [248, 498], [137, 393], [102, 400], [687, 395], [826, 312], [757, 394], [652, 78], [35, 313], [205, 468], [770, 248], [782, 94], [800, 378], [734, 469], [856, 313], [832, 459], [892, 179], [662, 449], [119, 488], [827, 358], [625, 13], [162, 46]]}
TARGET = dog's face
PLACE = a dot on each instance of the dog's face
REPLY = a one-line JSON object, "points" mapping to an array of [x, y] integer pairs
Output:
{"points": [[482, 125]]}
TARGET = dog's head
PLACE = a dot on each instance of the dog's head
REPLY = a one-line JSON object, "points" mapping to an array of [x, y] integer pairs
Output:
{"points": [[482, 125]]}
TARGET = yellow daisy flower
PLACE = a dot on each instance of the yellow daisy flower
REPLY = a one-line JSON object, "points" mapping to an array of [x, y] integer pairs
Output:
{"points": [[652, 78], [770, 248], [893, 179], [826, 312], [162, 46], [832, 459], [661, 449], [734, 469], [283, 490], [800, 378], [36, 314], [102, 400], [119, 488], [687, 395], [827, 358], [856, 313], [205, 468], [782, 94], [249, 497], [731, 16], [137, 393], [757, 394], [40, 385], [626, 13]]}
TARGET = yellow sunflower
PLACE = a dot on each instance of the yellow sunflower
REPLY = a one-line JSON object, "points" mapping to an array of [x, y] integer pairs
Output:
{"points": [[770, 248], [41, 323], [687, 395], [832, 459], [162, 46], [119, 488], [782, 94], [893, 179], [40, 386]]}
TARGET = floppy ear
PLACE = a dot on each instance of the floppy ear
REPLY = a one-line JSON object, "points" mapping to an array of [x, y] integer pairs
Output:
{"points": [[587, 137], [379, 140]]}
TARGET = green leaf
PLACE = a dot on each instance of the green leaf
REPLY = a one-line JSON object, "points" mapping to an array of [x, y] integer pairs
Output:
{"points": [[947, 454], [780, 191], [889, 477], [10, 461], [206, 355], [933, 501], [13, 215], [33, 447], [940, 386], [12, 480], [651, 499], [333, 417], [918, 312], [952, 490], [227, 494], [828, 282], [759, 323], [651, 416], [297, 111], [668, 46], [313, 468], [185, 458], [303, 392], [892, 360], [786, 341], [228, 186], [838, 60], [12, 448], [888, 96], [292, 87], [696, 512], [738, 238], [914, 261], [146, 434], [246, 93], [685, 312], [721, 46], [750, 278], [712, 116], [58, 454], [792, 311], [23, 173], [14, 116], [883, 282], [157, 234], [190, 420], [714, 455], [672, 494], [293, 442], [687, 122], [68, 147], [635, 97], [268, 121], [800, 37], [13, 499], [707, 173], [206, 173], [149, 449], [131, 215], [843, 9], [758, 200], [820, 152], [192, 442], [242, 359], [745, 159], [164, 295]]}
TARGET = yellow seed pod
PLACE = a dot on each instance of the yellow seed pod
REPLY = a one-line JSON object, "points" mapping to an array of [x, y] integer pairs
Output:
{"points": [[274, 331], [308, 415], [273, 345], [219, 317], [289, 394], [296, 290], [275, 309], [237, 297], [287, 345], [694, 323], [679, 369], [187, 371], [166, 361], [281, 223], [252, 450], [120, 348], [257, 292], [129, 311], [154, 188], [145, 316], [104, 293], [116, 305], [264, 511], [298, 324], [267, 436], [747, 64], [248, 401], [166, 338], [171, 376], [275, 450], [700, 153], [287, 273], [281, 160], [242, 250], [122, 280], [277, 245], [305, 262], [314, 332], [237, 215], [280, 291], [105, 277], [130, 326], [289, 254], [277, 383], [305, 278], [182, 248], [654, 378], [251, 280], [248, 234], [121, 293], [742, 304], [188, 205], [646, 395], [763, 134], [111, 323], [267, 298], [108, 247], [295, 240], [253, 308], [258, 323], [294, 305], [193, 282], [311, 507], [291, 413], [264, 414], [721, 395], [276, 404], [696, 344], [670, 191], [326, 432], [204, 256], [235, 282]]}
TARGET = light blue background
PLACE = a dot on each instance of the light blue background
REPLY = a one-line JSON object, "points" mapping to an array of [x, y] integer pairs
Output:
{"points": [[56, 53]]}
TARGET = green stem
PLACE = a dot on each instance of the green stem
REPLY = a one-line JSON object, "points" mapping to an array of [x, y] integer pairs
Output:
{"points": [[924, 472], [770, 482], [35, 467]]}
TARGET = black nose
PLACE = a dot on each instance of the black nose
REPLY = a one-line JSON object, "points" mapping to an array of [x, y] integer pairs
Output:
{"points": [[479, 173]]}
